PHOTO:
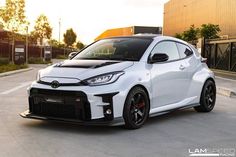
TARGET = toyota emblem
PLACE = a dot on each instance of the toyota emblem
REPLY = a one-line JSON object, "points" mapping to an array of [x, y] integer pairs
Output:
{"points": [[55, 84]]}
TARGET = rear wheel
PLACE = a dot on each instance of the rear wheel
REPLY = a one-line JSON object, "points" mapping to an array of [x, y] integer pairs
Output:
{"points": [[208, 97], [136, 108]]}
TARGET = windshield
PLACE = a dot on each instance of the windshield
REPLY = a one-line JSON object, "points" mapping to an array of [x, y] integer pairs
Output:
{"points": [[123, 49]]}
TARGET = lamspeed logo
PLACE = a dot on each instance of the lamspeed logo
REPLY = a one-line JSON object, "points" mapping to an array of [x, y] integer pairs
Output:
{"points": [[226, 152]]}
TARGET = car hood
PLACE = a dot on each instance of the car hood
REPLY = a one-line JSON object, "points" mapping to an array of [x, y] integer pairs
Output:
{"points": [[82, 69]]}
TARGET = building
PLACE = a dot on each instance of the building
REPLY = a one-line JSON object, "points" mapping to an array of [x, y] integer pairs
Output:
{"points": [[3, 34], [180, 14], [126, 31]]}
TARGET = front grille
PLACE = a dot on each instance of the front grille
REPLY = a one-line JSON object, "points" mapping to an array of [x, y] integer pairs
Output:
{"points": [[59, 104]]}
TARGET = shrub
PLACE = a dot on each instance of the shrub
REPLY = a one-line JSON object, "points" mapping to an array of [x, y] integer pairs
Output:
{"points": [[61, 57], [4, 61], [10, 67], [33, 60]]}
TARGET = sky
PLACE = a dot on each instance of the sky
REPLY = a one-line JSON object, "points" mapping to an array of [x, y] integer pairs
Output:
{"points": [[89, 18]]}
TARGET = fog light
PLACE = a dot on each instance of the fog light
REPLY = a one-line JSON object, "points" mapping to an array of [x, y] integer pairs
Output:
{"points": [[108, 111]]}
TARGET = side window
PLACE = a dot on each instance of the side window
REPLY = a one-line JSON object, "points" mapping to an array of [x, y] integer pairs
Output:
{"points": [[184, 50], [167, 47]]}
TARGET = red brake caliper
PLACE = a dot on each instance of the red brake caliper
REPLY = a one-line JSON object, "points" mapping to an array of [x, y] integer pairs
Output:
{"points": [[140, 105]]}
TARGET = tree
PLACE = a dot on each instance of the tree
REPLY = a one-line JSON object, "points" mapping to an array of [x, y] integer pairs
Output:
{"points": [[80, 45], [1, 18], [69, 37], [55, 43], [209, 31], [42, 29], [179, 35], [32, 38], [13, 16], [1, 25], [191, 35], [13, 19]]}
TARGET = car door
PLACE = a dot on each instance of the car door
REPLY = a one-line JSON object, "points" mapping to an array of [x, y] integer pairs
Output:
{"points": [[191, 65], [168, 78]]}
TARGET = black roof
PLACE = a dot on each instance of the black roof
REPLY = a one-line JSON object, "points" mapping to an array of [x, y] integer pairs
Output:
{"points": [[141, 36]]}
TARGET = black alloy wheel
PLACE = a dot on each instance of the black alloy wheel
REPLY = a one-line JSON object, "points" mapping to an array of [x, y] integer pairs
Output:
{"points": [[208, 97], [136, 109]]}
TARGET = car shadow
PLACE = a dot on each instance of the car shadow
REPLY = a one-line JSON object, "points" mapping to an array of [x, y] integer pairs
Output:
{"points": [[72, 127], [173, 115], [102, 130]]}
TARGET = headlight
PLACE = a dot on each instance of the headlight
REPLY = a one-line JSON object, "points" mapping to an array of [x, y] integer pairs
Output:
{"points": [[103, 79]]}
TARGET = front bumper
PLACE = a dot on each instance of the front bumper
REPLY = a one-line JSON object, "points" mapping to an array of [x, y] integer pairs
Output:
{"points": [[100, 121], [75, 106]]}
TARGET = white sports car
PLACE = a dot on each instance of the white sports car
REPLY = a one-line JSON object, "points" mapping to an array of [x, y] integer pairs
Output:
{"points": [[123, 80]]}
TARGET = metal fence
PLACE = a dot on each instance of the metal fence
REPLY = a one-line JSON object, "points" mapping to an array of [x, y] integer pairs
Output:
{"points": [[221, 54], [33, 51]]}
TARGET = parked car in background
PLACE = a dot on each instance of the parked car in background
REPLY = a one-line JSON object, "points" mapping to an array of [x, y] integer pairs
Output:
{"points": [[123, 80]]}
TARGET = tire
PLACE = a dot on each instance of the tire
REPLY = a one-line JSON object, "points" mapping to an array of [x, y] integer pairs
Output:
{"points": [[136, 108], [208, 97]]}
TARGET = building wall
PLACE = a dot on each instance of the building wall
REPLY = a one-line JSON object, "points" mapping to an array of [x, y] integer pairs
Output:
{"points": [[126, 31], [180, 14], [116, 32]]}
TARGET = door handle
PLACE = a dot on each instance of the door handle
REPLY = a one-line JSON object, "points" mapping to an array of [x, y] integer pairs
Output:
{"points": [[181, 67]]}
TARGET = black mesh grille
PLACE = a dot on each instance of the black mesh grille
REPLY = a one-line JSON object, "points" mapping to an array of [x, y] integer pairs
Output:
{"points": [[60, 104]]}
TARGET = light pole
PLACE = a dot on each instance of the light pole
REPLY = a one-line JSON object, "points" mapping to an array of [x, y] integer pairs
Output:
{"points": [[59, 30], [27, 44]]}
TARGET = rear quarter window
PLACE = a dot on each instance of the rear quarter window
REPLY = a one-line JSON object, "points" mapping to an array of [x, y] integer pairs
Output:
{"points": [[184, 50], [195, 51]]}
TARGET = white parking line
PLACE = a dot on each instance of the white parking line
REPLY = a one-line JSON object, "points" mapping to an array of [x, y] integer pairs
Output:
{"points": [[16, 88]]}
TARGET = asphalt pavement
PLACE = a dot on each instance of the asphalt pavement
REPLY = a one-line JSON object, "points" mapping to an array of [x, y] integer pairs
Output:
{"points": [[173, 134], [226, 83]]}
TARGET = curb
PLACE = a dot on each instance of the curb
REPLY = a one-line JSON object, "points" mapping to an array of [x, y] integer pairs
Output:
{"points": [[224, 72], [225, 91], [15, 72]]}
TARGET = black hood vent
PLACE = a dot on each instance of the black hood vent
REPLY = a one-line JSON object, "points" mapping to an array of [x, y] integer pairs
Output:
{"points": [[91, 64]]}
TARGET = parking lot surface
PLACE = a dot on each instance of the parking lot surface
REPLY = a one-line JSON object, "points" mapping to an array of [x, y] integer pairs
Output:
{"points": [[171, 134]]}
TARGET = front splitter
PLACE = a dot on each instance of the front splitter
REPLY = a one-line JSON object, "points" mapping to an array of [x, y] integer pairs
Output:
{"points": [[100, 121]]}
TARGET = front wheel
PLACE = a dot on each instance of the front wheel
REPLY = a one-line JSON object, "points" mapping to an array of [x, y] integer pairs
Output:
{"points": [[208, 97], [136, 108]]}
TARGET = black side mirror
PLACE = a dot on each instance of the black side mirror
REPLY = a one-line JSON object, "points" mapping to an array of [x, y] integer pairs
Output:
{"points": [[158, 57]]}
